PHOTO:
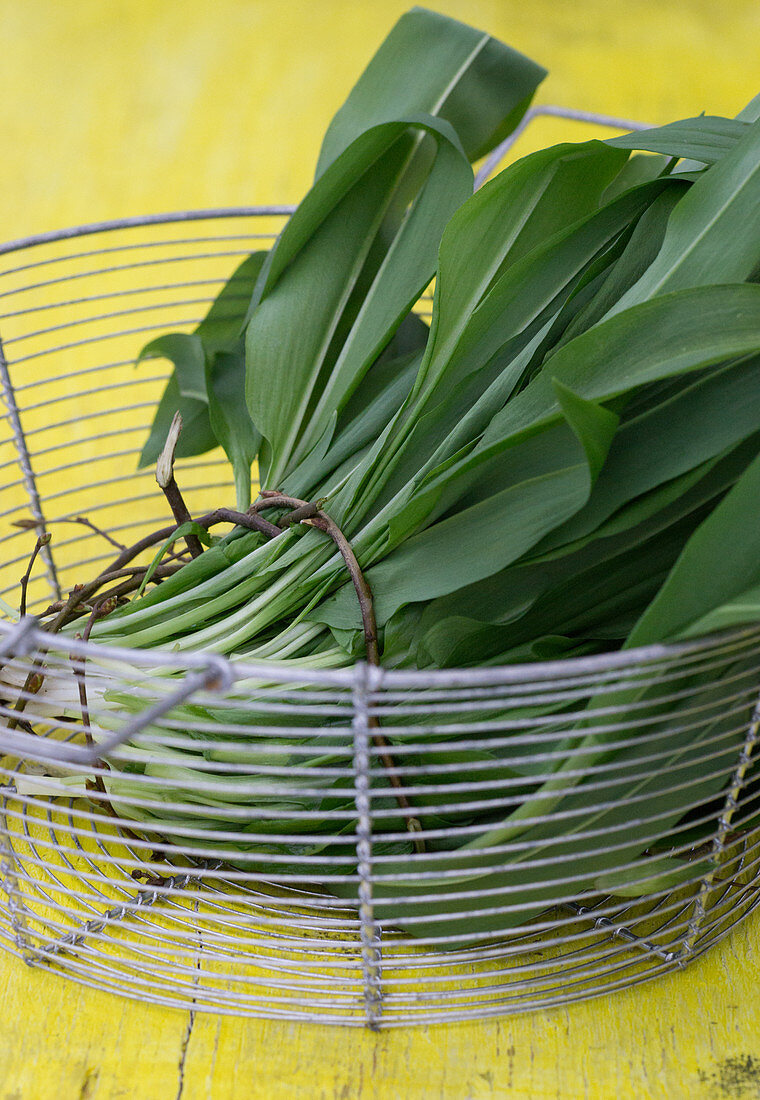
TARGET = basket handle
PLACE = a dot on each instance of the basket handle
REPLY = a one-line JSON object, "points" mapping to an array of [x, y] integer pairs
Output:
{"points": [[216, 675]]}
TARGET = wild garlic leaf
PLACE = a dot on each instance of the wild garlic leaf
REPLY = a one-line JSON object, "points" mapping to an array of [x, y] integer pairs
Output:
{"points": [[711, 236], [433, 64], [673, 334], [480, 306], [230, 419], [184, 393], [699, 582], [698, 423], [186, 390], [750, 113], [705, 139], [224, 376], [315, 268]]}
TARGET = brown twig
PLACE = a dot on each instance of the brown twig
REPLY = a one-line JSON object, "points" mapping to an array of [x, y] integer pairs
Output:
{"points": [[147, 542], [118, 567], [76, 605], [33, 524], [35, 677], [272, 498], [311, 515], [181, 556], [166, 481], [42, 540], [160, 573], [32, 684], [221, 515], [363, 591], [85, 522], [99, 611], [242, 519], [81, 593], [300, 512]]}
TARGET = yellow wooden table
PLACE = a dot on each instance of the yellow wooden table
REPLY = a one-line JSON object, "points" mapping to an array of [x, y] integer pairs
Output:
{"points": [[139, 106]]}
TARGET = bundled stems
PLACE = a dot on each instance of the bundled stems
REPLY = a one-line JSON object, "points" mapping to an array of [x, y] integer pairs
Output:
{"points": [[307, 513], [65, 612], [82, 592], [311, 515], [220, 515]]}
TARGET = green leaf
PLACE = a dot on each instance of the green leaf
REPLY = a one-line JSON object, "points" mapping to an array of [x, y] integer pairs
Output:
{"points": [[742, 608], [186, 352], [520, 210], [436, 65], [197, 435], [638, 169], [670, 335], [640, 251], [224, 375], [230, 419], [583, 594], [697, 423], [705, 139], [481, 336], [710, 236], [364, 417], [539, 485], [673, 334], [220, 329], [315, 268], [594, 425], [186, 389], [375, 401], [649, 785], [700, 582], [750, 113], [652, 876]]}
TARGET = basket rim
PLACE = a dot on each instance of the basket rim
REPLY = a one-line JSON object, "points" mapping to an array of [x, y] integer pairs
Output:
{"points": [[137, 221], [30, 636]]}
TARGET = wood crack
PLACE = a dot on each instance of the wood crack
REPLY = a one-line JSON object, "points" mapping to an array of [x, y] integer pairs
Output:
{"points": [[191, 1018], [183, 1053]]}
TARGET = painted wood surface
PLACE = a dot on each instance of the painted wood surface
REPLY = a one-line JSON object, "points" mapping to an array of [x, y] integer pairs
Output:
{"points": [[138, 106], [691, 1036]]}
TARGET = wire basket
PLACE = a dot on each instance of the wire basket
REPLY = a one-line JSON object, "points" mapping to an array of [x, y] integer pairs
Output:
{"points": [[109, 878]]}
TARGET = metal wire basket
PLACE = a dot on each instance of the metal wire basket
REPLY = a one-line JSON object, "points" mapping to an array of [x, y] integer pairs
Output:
{"points": [[324, 922]]}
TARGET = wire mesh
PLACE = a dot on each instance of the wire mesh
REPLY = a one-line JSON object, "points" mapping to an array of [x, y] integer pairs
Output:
{"points": [[226, 836]]}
